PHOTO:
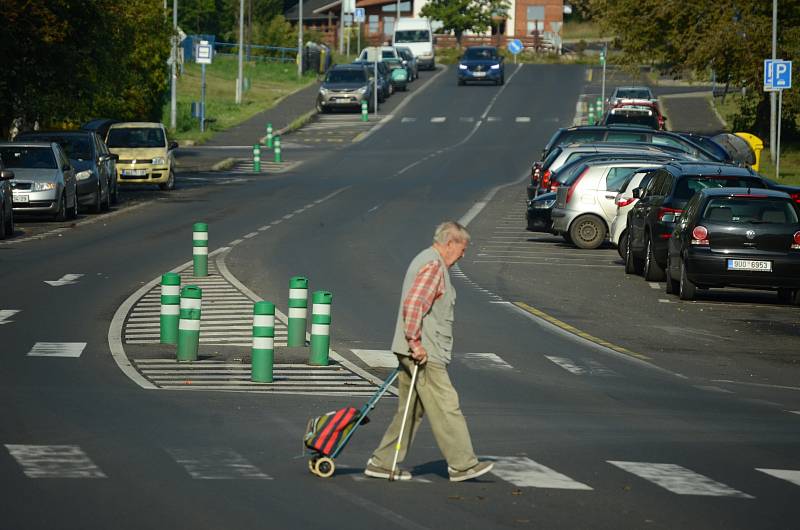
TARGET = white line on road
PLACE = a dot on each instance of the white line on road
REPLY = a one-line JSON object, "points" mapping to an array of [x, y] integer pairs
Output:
{"points": [[438, 119], [5, 314], [216, 464], [57, 349], [526, 473], [407, 120], [789, 475], [523, 119], [54, 461], [251, 234], [654, 285], [67, 279], [678, 479], [567, 364], [482, 361], [377, 358]]}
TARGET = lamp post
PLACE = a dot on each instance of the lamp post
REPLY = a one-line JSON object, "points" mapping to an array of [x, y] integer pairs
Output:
{"points": [[239, 80], [300, 40], [173, 98], [772, 95]]}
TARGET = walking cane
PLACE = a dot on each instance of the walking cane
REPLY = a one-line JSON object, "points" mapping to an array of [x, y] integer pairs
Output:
{"points": [[403, 424]]}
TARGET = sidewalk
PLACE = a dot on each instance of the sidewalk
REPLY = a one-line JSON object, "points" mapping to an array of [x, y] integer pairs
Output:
{"points": [[237, 141], [692, 112]]}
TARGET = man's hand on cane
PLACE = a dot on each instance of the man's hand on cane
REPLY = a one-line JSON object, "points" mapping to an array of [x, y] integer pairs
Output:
{"points": [[420, 355]]}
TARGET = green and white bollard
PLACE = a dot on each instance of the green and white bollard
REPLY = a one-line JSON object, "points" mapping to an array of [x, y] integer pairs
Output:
{"points": [[269, 135], [590, 117], [170, 307], [364, 110], [256, 158], [298, 311], [189, 326], [277, 149], [263, 342], [200, 249], [599, 105], [320, 328]]}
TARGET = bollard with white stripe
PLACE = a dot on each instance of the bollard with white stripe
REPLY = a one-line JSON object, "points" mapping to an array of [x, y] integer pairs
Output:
{"points": [[298, 311], [320, 328], [170, 307], [269, 135], [200, 249], [263, 342], [256, 158], [277, 149], [364, 110], [189, 325]]}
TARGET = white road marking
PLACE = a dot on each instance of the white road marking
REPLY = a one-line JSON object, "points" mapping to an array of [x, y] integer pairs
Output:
{"points": [[789, 475], [251, 234], [67, 279], [595, 368], [5, 314], [762, 385], [438, 119], [483, 361], [358, 477], [523, 119], [467, 119], [377, 358], [794, 412], [54, 461], [678, 479], [494, 119], [408, 120], [664, 301], [567, 364], [526, 473], [373, 208], [235, 242], [712, 388], [654, 285], [216, 464], [57, 349]]}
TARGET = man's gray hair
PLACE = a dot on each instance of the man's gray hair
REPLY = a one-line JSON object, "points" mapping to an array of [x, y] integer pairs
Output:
{"points": [[450, 231]]}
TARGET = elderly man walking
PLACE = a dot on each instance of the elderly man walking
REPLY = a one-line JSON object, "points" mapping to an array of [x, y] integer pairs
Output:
{"points": [[424, 336]]}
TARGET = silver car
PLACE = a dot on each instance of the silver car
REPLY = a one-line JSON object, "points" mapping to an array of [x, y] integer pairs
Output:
{"points": [[625, 201], [44, 181], [585, 208]]}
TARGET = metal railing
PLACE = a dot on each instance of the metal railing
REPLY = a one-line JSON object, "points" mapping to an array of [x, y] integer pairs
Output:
{"points": [[257, 52]]}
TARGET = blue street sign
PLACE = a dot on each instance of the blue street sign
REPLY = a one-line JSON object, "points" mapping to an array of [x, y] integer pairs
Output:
{"points": [[359, 15], [515, 46], [777, 74], [768, 75]]}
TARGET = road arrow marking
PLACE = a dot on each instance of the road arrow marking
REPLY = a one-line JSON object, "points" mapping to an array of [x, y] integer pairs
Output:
{"points": [[5, 314], [67, 279]]}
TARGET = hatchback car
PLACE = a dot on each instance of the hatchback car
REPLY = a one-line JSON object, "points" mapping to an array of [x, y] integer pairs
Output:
{"points": [[145, 154], [44, 181], [409, 61], [737, 237], [95, 165], [618, 233], [345, 87], [630, 92], [6, 203], [652, 219], [385, 88], [398, 74], [538, 213], [633, 114], [481, 63]]}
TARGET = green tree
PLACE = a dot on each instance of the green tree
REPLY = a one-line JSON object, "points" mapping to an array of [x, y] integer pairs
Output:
{"points": [[460, 16]]}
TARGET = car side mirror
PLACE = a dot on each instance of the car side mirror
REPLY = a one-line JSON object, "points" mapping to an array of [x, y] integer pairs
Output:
{"points": [[6, 174], [173, 145]]}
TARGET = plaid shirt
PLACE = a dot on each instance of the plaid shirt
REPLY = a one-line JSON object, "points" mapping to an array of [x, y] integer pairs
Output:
{"points": [[427, 287]]}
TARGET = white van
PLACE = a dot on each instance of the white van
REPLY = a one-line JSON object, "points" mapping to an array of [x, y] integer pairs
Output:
{"points": [[416, 34]]}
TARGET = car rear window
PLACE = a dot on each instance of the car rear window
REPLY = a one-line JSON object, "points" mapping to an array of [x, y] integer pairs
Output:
{"points": [[346, 76], [750, 209], [136, 137], [581, 137], [688, 185], [635, 118], [617, 177], [633, 94], [627, 136], [28, 157], [76, 147]]}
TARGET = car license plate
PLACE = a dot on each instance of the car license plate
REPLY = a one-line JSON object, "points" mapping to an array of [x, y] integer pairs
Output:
{"points": [[22, 199], [134, 172], [479, 74], [749, 265]]}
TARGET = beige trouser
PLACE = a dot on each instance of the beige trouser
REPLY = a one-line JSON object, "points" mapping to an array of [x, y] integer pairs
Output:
{"points": [[435, 396]]}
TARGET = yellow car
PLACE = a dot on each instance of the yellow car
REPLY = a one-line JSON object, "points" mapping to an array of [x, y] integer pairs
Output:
{"points": [[145, 154]]}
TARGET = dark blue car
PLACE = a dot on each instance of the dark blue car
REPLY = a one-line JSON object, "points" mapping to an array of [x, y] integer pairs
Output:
{"points": [[481, 63]]}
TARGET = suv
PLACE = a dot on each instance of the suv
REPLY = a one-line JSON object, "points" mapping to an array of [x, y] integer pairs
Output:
{"points": [[652, 219], [630, 92], [345, 86], [145, 154]]}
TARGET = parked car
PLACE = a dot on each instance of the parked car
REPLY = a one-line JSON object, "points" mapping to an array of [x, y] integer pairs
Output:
{"points": [[369, 53], [736, 237], [585, 208], [385, 88], [642, 115], [417, 35], [409, 61], [618, 233], [398, 74], [630, 92], [481, 63], [709, 145], [6, 202], [44, 181], [345, 87], [652, 219], [96, 167], [585, 134], [99, 126], [538, 213], [145, 154]]}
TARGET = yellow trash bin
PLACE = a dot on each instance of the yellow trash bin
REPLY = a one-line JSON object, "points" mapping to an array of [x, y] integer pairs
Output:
{"points": [[756, 144]]}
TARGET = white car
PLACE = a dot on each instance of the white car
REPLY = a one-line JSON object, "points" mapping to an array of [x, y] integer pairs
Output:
{"points": [[625, 201], [386, 52], [417, 34], [631, 92], [586, 208]]}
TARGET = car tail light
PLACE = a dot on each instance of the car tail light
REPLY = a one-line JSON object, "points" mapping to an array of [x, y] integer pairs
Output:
{"points": [[796, 240], [795, 197], [554, 186], [546, 179], [536, 170], [700, 235], [571, 189], [621, 201], [663, 212]]}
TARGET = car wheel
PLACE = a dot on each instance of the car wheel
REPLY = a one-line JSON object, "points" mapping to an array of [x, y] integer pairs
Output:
{"points": [[170, 183], [673, 286], [587, 232], [623, 240], [61, 214], [652, 271], [687, 290], [72, 212], [786, 296], [632, 264], [97, 204]]}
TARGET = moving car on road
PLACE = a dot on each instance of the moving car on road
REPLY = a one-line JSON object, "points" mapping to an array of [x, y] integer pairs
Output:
{"points": [[6, 202], [44, 181], [145, 154], [345, 87], [481, 63], [737, 237]]}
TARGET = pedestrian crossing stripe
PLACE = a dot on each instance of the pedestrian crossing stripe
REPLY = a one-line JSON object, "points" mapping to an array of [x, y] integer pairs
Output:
{"points": [[525, 473], [267, 167], [216, 464], [588, 366], [387, 359], [679, 480], [485, 360], [54, 461], [789, 475], [57, 349]]}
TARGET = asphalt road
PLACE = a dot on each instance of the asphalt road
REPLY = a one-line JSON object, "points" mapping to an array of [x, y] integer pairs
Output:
{"points": [[633, 434]]}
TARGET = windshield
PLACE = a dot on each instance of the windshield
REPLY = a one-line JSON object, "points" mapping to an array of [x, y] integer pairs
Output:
{"points": [[413, 35], [28, 157], [772, 210], [688, 186], [633, 93], [389, 54], [346, 76], [136, 137], [486, 54], [76, 147]]}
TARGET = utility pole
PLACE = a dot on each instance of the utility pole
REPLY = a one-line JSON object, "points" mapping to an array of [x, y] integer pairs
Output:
{"points": [[300, 40], [240, 80], [772, 95], [341, 28], [173, 98]]}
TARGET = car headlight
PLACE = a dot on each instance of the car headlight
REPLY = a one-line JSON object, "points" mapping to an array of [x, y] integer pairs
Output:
{"points": [[44, 186], [323, 90], [462, 66], [543, 205], [362, 90], [84, 175], [495, 67], [159, 161]]}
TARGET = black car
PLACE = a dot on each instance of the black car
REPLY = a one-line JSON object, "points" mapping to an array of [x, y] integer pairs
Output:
{"points": [[94, 165], [384, 78], [737, 237], [481, 63], [652, 220], [539, 213], [6, 202], [584, 134]]}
